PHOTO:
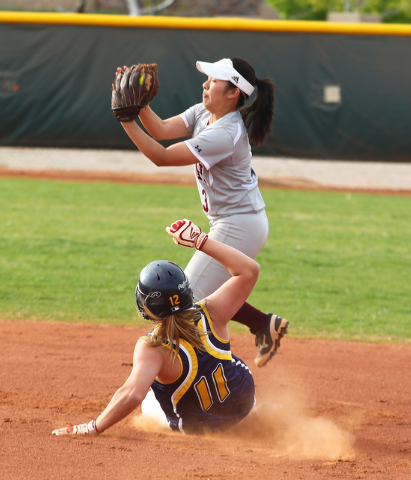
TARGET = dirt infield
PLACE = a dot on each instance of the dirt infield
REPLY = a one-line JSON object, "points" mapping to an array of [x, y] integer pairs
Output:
{"points": [[132, 166], [290, 183], [328, 409]]}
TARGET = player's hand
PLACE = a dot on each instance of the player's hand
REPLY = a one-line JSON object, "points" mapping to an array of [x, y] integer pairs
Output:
{"points": [[185, 232], [83, 429]]}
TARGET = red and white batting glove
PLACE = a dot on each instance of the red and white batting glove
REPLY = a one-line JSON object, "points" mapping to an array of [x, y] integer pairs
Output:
{"points": [[83, 429], [185, 232]]}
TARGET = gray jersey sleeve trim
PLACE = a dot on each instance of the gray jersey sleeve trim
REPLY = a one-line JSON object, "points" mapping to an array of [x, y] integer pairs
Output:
{"points": [[184, 120], [197, 155], [250, 185], [237, 137], [210, 178]]}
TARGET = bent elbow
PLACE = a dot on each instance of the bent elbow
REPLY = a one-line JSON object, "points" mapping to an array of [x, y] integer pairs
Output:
{"points": [[161, 159], [135, 400], [157, 137], [256, 270], [156, 162]]}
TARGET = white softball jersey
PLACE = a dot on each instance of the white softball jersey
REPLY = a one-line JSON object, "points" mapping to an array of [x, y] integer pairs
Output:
{"points": [[229, 193], [226, 181]]}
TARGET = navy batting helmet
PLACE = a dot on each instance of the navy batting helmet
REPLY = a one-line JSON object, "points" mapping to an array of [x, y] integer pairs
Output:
{"points": [[163, 289]]}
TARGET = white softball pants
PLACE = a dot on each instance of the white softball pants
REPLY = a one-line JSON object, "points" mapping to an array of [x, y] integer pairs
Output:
{"points": [[246, 232]]}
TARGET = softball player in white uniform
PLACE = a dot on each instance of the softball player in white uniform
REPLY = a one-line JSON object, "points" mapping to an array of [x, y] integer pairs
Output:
{"points": [[229, 193], [228, 186]]}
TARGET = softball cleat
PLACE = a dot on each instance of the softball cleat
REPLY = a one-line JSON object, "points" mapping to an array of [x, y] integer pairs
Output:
{"points": [[267, 339]]}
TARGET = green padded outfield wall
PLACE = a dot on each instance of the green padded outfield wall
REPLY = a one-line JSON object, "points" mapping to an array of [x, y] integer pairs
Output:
{"points": [[343, 91]]}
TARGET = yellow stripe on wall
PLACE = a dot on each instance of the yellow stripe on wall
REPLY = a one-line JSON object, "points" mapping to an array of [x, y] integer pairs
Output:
{"points": [[231, 24]]}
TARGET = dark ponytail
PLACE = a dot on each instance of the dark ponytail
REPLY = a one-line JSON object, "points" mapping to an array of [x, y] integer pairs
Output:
{"points": [[259, 115]]}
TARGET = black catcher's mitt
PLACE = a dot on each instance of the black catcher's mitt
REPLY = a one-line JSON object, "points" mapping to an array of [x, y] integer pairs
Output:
{"points": [[132, 90]]}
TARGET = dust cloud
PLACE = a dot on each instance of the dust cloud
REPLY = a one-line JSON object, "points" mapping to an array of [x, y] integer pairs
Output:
{"points": [[286, 427], [282, 425], [145, 423]]}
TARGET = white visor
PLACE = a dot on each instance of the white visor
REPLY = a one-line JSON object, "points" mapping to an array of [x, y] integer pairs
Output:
{"points": [[224, 70]]}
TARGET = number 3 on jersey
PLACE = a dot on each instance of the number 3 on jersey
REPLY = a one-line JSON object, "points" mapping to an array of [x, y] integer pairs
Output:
{"points": [[204, 200], [200, 176]]}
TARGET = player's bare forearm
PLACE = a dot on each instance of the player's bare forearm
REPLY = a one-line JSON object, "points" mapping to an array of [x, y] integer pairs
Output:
{"points": [[122, 404], [175, 155], [159, 129], [236, 262], [188, 234], [152, 123], [147, 145]]}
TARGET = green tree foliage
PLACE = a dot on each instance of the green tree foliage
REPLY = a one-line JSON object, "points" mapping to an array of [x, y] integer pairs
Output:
{"points": [[392, 11]]}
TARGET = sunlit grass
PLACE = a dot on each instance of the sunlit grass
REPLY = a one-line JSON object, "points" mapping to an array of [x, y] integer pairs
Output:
{"points": [[336, 265]]}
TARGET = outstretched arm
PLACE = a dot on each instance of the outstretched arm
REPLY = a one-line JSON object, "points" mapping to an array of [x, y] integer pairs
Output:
{"points": [[147, 363]]}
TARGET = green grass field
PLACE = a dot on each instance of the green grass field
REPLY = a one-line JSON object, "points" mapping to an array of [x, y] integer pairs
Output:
{"points": [[336, 265]]}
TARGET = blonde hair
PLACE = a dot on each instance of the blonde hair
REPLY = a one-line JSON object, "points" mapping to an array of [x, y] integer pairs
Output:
{"points": [[176, 326]]}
